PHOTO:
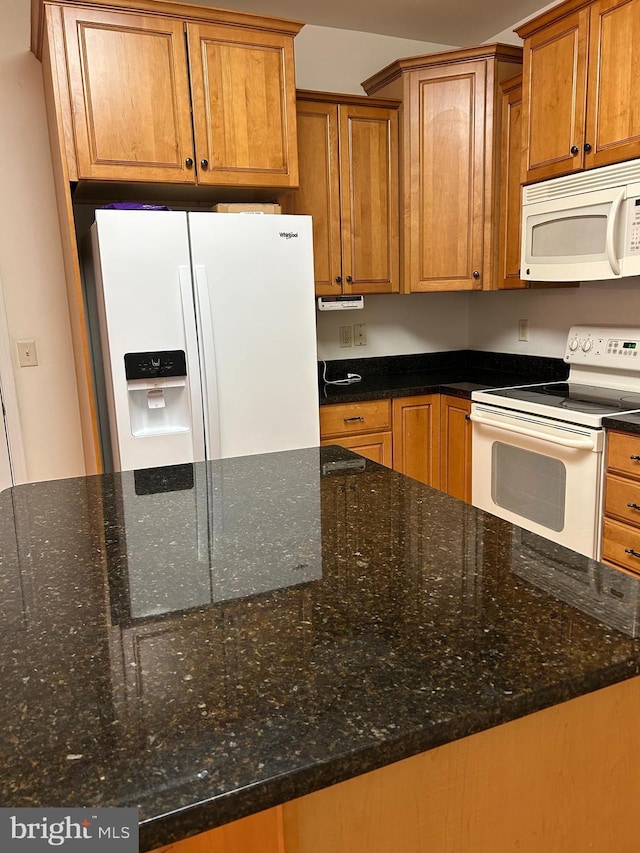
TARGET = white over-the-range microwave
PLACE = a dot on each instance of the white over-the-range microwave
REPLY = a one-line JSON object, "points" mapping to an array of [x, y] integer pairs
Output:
{"points": [[582, 227]]}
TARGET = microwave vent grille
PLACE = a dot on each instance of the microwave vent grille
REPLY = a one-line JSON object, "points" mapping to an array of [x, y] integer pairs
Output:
{"points": [[605, 177]]}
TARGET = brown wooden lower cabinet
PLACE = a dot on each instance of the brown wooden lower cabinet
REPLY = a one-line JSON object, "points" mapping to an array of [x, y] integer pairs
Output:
{"points": [[416, 437], [621, 523], [427, 437], [455, 447], [259, 833]]}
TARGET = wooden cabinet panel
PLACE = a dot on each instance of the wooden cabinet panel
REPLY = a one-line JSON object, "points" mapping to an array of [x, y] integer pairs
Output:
{"points": [[259, 833], [129, 94], [416, 437], [377, 446], [348, 159], [348, 418], [621, 545], [554, 98], [369, 199], [455, 447], [447, 106], [319, 192], [623, 454], [510, 188], [622, 499], [613, 114], [244, 114]]}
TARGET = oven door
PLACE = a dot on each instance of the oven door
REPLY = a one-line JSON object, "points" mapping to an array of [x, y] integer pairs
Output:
{"points": [[540, 474]]}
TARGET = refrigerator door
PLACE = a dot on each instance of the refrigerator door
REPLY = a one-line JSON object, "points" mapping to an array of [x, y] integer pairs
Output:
{"points": [[255, 300], [141, 272]]}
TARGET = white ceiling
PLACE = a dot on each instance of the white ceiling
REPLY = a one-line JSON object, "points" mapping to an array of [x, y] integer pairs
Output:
{"points": [[452, 22]]}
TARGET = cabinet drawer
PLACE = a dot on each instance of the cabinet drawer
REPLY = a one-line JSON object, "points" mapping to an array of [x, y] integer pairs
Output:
{"points": [[623, 453], [619, 494], [617, 541], [352, 418]]}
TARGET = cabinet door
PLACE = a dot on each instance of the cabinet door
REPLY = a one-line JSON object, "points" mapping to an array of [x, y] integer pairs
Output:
{"points": [[369, 199], [455, 447], [263, 831], [444, 178], [554, 98], [319, 191], [129, 94], [613, 117], [510, 188], [416, 437], [375, 446], [244, 109]]}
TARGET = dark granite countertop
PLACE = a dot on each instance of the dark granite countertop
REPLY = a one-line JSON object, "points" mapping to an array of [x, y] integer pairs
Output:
{"points": [[207, 641], [457, 373], [623, 423]]}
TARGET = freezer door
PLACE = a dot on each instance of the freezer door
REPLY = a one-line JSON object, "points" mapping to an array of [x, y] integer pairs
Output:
{"points": [[256, 326], [141, 272]]}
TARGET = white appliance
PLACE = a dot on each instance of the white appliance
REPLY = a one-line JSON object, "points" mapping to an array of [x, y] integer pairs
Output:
{"points": [[538, 449], [207, 342], [582, 227]]}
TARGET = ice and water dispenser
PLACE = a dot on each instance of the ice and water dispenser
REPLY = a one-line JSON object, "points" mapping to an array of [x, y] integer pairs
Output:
{"points": [[157, 392]]}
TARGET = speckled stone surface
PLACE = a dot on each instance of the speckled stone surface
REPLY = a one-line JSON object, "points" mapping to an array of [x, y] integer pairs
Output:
{"points": [[457, 373], [207, 641], [623, 423]]}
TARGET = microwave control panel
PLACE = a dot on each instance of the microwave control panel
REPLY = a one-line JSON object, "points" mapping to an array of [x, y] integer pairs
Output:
{"points": [[615, 347]]}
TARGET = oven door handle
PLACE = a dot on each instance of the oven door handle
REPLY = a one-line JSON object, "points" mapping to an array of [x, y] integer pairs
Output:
{"points": [[579, 443]]}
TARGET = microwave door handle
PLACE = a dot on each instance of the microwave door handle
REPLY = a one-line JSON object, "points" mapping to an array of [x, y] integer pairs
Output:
{"points": [[579, 443], [614, 263]]}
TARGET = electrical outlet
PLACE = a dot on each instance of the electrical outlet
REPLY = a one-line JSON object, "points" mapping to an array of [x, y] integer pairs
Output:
{"points": [[27, 355], [345, 336], [523, 330], [360, 335]]}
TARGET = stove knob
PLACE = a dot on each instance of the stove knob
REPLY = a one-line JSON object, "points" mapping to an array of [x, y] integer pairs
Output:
{"points": [[587, 344], [573, 344]]}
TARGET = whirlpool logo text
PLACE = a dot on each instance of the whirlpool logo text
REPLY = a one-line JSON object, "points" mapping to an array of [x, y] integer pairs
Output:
{"points": [[288, 234]]}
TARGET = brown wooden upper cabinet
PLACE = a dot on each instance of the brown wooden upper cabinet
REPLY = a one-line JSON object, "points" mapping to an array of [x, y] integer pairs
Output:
{"points": [[348, 160], [154, 97], [510, 188], [450, 166], [579, 87]]}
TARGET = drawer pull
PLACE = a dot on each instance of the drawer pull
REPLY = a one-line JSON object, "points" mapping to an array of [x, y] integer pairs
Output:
{"points": [[352, 420], [633, 506], [632, 552], [635, 458]]}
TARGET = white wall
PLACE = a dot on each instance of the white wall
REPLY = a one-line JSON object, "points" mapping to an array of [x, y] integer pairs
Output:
{"points": [[493, 317], [398, 325], [31, 260], [333, 60]]}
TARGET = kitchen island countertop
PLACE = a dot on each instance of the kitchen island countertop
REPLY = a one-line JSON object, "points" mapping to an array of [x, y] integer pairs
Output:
{"points": [[203, 642]]}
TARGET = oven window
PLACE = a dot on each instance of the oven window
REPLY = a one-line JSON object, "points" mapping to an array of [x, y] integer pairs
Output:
{"points": [[529, 484], [569, 236]]}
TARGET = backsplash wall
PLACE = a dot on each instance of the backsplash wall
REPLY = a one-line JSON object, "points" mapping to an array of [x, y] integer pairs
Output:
{"points": [[398, 325]]}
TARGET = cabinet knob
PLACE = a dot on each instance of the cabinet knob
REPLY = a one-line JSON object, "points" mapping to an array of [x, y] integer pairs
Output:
{"points": [[587, 147], [632, 552], [575, 150], [476, 274], [633, 506], [338, 279], [204, 164], [189, 163], [635, 458], [349, 279]]}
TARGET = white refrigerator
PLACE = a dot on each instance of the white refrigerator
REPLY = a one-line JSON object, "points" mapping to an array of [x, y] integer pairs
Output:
{"points": [[204, 339]]}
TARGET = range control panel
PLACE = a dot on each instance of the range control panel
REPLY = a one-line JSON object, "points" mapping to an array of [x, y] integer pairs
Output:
{"points": [[615, 347], [155, 365]]}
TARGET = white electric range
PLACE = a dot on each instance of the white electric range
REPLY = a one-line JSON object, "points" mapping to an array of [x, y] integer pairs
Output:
{"points": [[538, 450]]}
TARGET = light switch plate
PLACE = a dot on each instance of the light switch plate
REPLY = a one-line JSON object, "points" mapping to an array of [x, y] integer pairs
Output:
{"points": [[27, 353]]}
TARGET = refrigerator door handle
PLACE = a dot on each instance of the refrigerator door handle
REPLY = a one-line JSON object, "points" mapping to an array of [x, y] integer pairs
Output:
{"points": [[208, 373], [191, 338]]}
